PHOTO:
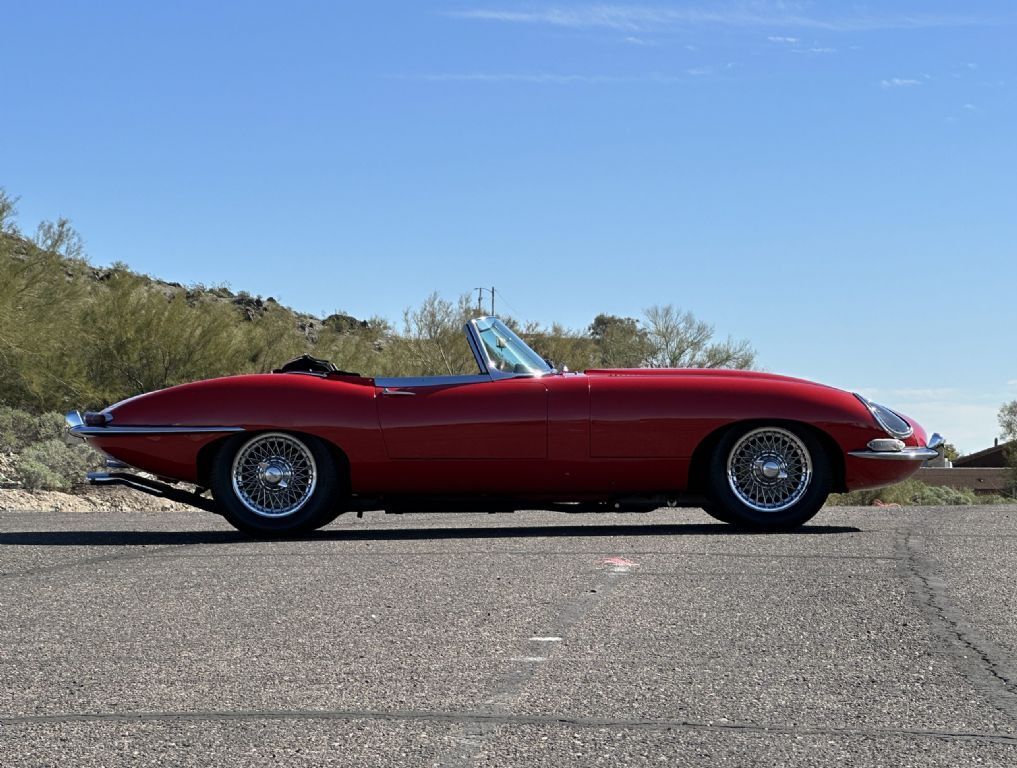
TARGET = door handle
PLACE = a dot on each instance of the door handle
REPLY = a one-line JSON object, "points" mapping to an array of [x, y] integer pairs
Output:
{"points": [[399, 392]]}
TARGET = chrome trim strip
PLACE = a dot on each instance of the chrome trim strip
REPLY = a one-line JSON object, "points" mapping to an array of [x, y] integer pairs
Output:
{"points": [[86, 431], [908, 454], [398, 382]]}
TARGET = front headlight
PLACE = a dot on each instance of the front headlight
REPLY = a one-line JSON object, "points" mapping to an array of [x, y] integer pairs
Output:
{"points": [[891, 422]]}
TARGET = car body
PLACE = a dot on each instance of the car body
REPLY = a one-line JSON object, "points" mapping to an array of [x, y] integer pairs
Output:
{"points": [[288, 451]]}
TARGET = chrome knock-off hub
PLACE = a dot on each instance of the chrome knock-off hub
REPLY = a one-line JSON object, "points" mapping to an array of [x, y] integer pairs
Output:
{"points": [[276, 474], [771, 469]]}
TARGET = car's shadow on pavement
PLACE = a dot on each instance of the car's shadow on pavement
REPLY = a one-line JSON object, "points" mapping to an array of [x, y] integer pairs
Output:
{"points": [[169, 538]]}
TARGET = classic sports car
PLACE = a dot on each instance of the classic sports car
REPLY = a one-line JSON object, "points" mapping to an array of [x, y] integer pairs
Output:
{"points": [[289, 451]]}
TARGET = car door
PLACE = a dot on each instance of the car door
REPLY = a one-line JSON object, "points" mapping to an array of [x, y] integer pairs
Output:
{"points": [[473, 417]]}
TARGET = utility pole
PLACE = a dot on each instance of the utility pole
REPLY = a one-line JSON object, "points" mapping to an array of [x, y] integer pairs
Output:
{"points": [[480, 299]]}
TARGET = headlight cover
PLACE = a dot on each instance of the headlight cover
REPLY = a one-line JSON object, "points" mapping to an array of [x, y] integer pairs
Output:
{"points": [[891, 422]]}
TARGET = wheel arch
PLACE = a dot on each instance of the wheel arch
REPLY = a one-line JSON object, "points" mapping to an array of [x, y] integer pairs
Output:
{"points": [[207, 455], [700, 462]]}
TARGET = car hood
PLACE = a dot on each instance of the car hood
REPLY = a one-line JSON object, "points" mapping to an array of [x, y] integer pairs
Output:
{"points": [[685, 373]]}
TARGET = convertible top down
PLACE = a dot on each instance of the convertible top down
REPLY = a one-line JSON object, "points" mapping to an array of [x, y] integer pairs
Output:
{"points": [[287, 452]]}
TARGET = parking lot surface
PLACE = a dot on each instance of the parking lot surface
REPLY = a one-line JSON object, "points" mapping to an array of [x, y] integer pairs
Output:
{"points": [[870, 637]]}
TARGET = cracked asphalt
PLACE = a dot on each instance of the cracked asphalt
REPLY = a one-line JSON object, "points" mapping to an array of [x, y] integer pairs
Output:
{"points": [[871, 637]]}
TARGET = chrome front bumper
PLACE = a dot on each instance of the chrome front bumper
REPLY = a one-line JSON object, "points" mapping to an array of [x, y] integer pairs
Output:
{"points": [[930, 451]]}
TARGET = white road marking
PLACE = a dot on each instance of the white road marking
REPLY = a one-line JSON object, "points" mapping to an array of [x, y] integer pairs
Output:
{"points": [[545, 639], [528, 658], [621, 565]]}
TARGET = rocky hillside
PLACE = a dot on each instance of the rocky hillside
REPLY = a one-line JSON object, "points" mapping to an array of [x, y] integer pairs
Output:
{"points": [[248, 306], [73, 334]]}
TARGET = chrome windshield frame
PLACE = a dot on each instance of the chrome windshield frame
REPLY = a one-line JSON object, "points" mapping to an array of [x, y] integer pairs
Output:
{"points": [[477, 348], [488, 372], [484, 361]]}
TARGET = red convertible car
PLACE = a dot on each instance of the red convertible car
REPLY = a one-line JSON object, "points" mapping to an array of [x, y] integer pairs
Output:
{"points": [[289, 451]]}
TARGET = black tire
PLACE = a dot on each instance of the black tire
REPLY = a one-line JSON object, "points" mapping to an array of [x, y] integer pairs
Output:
{"points": [[744, 493], [328, 517], [716, 512], [274, 484]]}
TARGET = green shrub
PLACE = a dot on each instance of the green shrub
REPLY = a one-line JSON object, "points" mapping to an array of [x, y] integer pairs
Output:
{"points": [[53, 465], [42, 460], [913, 493], [20, 429]]}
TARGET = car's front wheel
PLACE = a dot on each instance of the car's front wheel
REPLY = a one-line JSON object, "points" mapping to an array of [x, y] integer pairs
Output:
{"points": [[275, 483], [769, 477]]}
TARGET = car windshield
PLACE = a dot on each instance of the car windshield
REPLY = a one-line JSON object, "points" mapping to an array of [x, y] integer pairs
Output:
{"points": [[506, 351]]}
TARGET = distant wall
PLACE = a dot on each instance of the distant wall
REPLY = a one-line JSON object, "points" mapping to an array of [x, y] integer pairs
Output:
{"points": [[979, 479]]}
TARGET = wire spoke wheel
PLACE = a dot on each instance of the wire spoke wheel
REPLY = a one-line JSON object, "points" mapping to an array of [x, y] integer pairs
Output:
{"points": [[274, 475], [769, 469]]}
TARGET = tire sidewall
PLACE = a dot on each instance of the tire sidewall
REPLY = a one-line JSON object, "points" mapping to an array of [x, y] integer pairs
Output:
{"points": [[319, 506], [735, 511]]}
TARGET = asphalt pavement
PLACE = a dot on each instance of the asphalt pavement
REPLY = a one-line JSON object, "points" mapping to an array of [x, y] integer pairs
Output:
{"points": [[870, 637]]}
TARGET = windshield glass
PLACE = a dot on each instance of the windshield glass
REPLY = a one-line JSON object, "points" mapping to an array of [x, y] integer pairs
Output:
{"points": [[506, 351]]}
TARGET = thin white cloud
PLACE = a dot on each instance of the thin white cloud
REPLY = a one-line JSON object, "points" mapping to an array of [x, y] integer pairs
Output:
{"points": [[756, 14], [900, 82], [970, 107], [634, 40], [540, 78], [782, 39], [814, 49]]}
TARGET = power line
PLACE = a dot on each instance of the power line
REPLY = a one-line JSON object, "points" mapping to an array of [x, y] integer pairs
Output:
{"points": [[501, 295]]}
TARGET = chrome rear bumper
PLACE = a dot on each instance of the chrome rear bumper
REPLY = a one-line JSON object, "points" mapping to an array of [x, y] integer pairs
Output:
{"points": [[78, 426]]}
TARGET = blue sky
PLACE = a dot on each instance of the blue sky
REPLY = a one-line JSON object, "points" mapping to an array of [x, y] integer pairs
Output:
{"points": [[836, 182]]}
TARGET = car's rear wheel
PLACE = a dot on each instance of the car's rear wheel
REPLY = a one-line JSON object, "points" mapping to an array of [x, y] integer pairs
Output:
{"points": [[769, 477], [717, 512], [275, 483]]}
